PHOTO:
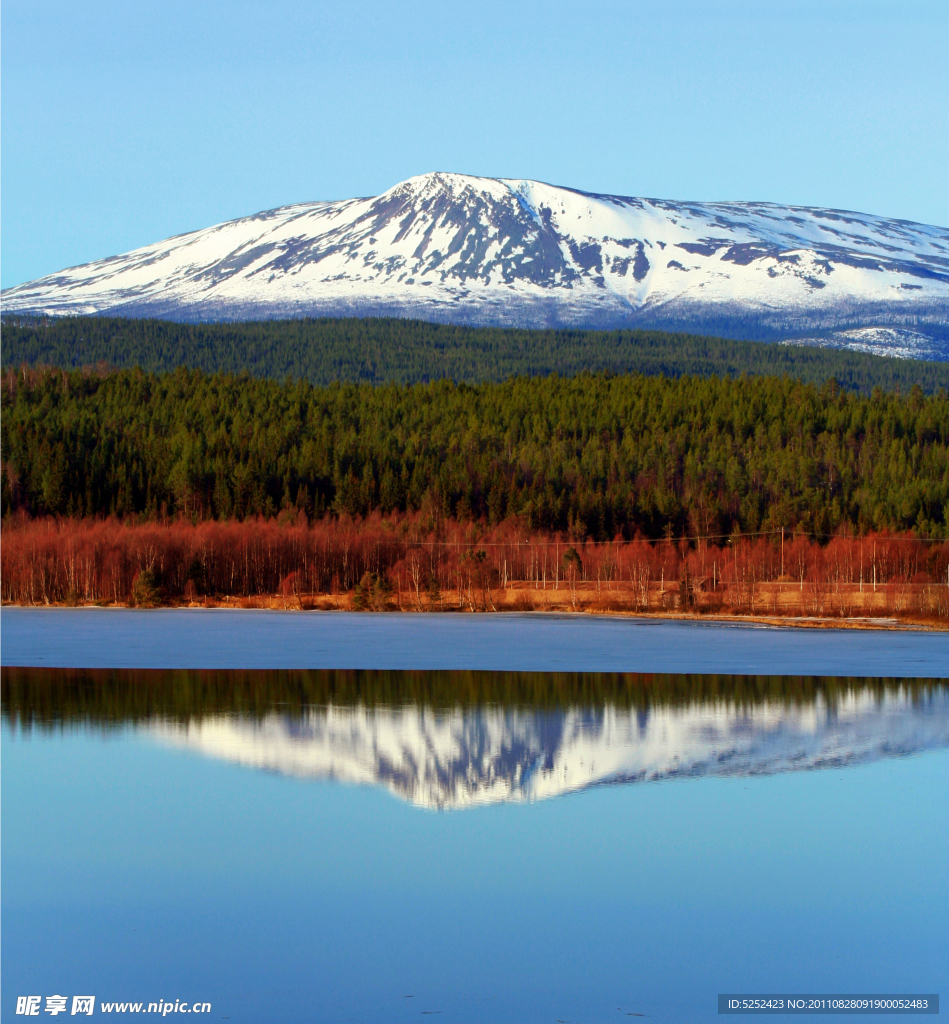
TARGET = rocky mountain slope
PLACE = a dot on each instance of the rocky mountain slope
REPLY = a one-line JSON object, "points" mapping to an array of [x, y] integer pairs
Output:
{"points": [[451, 247]]}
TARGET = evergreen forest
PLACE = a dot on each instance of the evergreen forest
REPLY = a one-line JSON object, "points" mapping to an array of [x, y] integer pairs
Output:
{"points": [[591, 456], [375, 351]]}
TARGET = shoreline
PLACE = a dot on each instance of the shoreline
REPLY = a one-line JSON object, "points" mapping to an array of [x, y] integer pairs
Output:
{"points": [[326, 603]]}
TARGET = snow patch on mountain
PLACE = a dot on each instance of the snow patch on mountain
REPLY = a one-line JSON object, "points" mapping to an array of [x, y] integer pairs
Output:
{"points": [[899, 342]]}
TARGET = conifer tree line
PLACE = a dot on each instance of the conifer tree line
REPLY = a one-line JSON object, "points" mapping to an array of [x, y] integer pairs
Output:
{"points": [[379, 350], [593, 456]]}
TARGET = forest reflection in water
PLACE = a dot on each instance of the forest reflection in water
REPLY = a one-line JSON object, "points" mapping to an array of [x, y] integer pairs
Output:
{"points": [[456, 739]]}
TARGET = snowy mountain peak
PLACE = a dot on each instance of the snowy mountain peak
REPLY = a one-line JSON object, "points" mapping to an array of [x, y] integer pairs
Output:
{"points": [[445, 182], [453, 247]]}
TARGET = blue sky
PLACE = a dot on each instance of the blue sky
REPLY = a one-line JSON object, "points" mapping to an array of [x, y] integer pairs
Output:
{"points": [[123, 123]]}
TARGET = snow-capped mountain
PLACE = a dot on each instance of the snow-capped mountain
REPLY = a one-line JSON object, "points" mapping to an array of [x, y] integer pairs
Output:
{"points": [[465, 757], [451, 247]]}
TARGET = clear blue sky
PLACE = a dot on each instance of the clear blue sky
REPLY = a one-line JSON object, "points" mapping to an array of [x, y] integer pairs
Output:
{"points": [[124, 123]]}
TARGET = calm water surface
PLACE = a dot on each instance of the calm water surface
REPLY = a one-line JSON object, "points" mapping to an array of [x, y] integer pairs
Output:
{"points": [[475, 846]]}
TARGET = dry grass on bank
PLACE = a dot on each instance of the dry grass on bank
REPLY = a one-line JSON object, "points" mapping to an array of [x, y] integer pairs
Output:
{"points": [[789, 604]]}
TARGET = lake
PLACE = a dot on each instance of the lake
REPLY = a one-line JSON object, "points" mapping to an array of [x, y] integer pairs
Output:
{"points": [[225, 638], [479, 818]]}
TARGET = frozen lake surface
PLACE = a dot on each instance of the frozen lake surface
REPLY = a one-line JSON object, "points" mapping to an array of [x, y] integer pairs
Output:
{"points": [[223, 638]]}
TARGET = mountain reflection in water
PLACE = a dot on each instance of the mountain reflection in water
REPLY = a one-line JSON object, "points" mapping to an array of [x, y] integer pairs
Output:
{"points": [[452, 740], [464, 757]]}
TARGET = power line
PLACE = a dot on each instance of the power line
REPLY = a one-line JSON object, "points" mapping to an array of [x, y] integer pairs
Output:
{"points": [[672, 541]]}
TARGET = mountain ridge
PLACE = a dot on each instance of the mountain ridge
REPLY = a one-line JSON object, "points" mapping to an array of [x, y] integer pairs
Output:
{"points": [[516, 252]]}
